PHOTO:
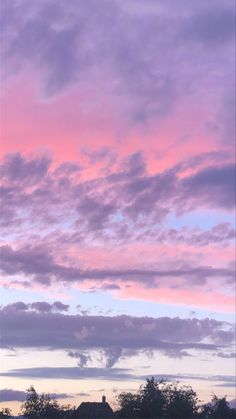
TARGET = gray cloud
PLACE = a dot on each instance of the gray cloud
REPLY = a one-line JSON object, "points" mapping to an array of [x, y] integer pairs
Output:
{"points": [[81, 358], [227, 380], [39, 306], [96, 213], [211, 27], [226, 384], [226, 355], [112, 355], [76, 333], [216, 181], [218, 234], [18, 306], [114, 374], [8, 395], [71, 373], [16, 168], [59, 306], [46, 307], [42, 306]]}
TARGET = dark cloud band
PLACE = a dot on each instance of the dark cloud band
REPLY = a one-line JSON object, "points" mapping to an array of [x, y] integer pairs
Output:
{"points": [[23, 327]]}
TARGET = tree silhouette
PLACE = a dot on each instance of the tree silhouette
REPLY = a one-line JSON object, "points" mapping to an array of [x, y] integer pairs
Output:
{"points": [[5, 413], [130, 405], [41, 406], [153, 398], [181, 401], [218, 408], [159, 399], [156, 399]]}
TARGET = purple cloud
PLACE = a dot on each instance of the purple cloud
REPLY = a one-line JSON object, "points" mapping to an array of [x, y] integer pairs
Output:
{"points": [[81, 358], [211, 27], [93, 207], [96, 213], [39, 264], [131, 193], [18, 306], [71, 373], [149, 64], [112, 355], [17, 169], [115, 374], [78, 333], [44, 307], [138, 66], [219, 182], [226, 355], [8, 395], [218, 234], [59, 306], [39, 306]]}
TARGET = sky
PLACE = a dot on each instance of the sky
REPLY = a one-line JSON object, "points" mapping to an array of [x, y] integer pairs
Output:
{"points": [[118, 192]]}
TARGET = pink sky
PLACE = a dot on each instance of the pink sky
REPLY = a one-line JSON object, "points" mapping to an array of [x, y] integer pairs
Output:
{"points": [[117, 162]]}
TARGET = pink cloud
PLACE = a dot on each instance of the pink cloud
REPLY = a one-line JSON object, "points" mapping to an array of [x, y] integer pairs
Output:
{"points": [[61, 125], [210, 300], [134, 254], [68, 123]]}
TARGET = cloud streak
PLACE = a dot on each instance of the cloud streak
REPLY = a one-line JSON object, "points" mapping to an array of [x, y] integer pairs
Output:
{"points": [[42, 266], [8, 395], [115, 374]]}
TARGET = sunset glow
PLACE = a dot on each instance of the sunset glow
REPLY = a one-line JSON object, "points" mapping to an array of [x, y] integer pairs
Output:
{"points": [[118, 194]]}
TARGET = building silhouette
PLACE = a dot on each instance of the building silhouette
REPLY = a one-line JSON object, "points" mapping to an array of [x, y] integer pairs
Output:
{"points": [[95, 410]]}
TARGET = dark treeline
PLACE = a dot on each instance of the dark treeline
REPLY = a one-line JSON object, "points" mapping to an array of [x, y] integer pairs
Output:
{"points": [[156, 399]]}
